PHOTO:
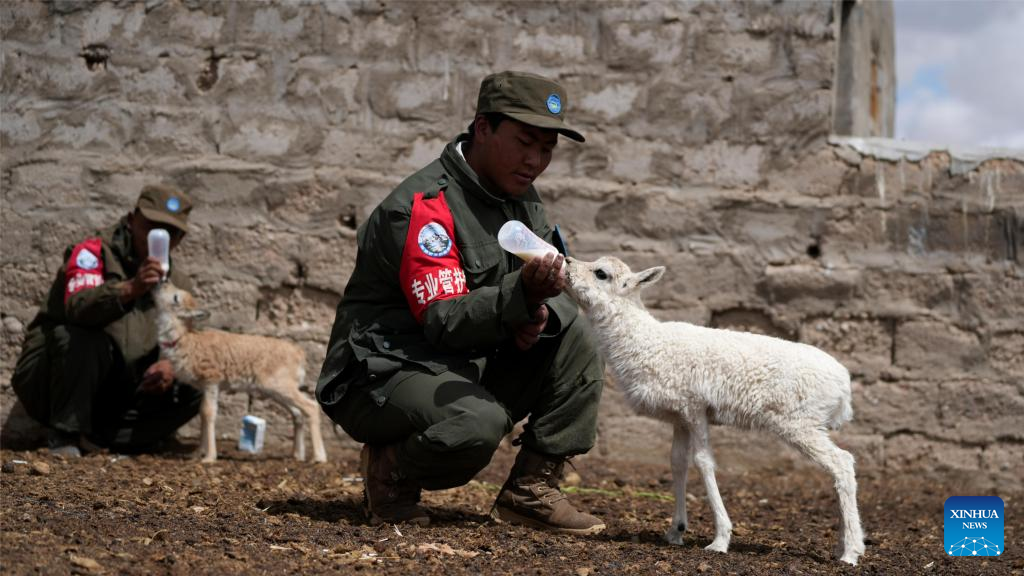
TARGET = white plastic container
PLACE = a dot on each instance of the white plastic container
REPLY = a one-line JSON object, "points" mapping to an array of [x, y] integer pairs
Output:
{"points": [[160, 248], [517, 238], [254, 429]]}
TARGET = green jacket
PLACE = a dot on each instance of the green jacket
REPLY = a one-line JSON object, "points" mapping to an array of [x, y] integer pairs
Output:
{"points": [[374, 323], [132, 327]]}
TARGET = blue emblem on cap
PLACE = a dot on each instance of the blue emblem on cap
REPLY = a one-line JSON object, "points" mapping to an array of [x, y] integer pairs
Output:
{"points": [[173, 204], [554, 104]]}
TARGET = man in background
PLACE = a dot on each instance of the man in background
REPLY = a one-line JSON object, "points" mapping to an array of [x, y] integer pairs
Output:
{"points": [[89, 368]]}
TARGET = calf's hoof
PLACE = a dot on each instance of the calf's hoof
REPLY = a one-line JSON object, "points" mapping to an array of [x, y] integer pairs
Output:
{"points": [[718, 545], [674, 535], [851, 557]]}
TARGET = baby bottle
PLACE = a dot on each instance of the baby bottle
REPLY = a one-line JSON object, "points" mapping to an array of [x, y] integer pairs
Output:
{"points": [[517, 238], [160, 248]]}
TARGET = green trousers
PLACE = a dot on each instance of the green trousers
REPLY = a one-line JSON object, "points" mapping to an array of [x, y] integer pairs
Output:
{"points": [[74, 380], [449, 425]]}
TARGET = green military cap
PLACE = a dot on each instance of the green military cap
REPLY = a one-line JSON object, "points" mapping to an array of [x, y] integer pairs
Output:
{"points": [[165, 204], [526, 97]]}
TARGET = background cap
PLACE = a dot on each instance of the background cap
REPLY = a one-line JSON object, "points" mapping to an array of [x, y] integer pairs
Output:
{"points": [[529, 98], [165, 204]]}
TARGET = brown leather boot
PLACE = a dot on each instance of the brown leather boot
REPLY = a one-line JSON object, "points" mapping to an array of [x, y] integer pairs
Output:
{"points": [[531, 497], [388, 496]]}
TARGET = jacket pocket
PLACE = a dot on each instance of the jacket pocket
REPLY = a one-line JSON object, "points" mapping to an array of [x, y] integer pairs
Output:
{"points": [[395, 352], [483, 263]]}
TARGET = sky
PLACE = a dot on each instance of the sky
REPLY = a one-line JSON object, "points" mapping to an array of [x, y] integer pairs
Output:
{"points": [[960, 72]]}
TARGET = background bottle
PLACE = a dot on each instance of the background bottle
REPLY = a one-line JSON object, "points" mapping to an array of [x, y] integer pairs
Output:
{"points": [[254, 429], [160, 248]]}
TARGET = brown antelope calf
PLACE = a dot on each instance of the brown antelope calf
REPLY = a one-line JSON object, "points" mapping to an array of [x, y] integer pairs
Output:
{"points": [[211, 359]]}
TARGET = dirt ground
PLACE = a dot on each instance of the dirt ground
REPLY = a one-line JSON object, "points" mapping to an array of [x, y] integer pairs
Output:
{"points": [[266, 514]]}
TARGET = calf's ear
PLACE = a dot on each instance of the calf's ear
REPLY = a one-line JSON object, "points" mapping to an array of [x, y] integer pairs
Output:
{"points": [[195, 315], [645, 278]]}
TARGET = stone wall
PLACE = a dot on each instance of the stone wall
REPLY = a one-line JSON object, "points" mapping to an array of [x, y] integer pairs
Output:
{"points": [[865, 88], [908, 273], [707, 151]]}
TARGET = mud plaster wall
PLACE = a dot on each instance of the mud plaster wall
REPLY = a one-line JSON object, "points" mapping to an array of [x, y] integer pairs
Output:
{"points": [[707, 152]]}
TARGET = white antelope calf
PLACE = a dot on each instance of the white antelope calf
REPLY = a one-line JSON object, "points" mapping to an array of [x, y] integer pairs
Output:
{"points": [[690, 376], [211, 359]]}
